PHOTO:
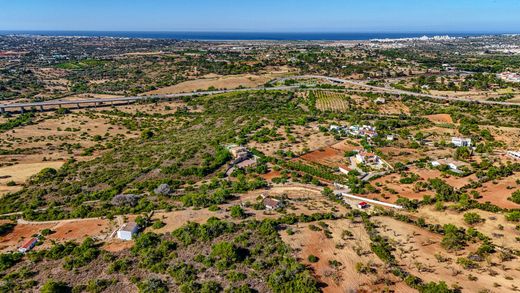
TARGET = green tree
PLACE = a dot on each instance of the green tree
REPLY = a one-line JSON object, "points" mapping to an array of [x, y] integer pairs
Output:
{"points": [[238, 212], [472, 218]]}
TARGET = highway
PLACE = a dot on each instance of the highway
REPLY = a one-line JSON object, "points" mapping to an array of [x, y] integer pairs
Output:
{"points": [[21, 107], [396, 91], [125, 100]]}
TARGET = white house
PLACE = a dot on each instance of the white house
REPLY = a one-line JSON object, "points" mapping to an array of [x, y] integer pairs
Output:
{"points": [[380, 101], [367, 158], [514, 155], [127, 231], [452, 164], [335, 128], [343, 169], [461, 142]]}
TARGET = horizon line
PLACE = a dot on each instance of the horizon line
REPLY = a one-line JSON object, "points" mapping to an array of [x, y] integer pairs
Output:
{"points": [[271, 32]]}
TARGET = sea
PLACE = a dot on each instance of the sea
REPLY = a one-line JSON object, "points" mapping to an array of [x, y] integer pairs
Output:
{"points": [[235, 36]]}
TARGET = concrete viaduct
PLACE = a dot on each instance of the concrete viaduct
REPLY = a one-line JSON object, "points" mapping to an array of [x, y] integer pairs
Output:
{"points": [[41, 106]]}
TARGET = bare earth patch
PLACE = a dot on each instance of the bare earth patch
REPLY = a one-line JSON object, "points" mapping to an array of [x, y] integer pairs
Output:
{"points": [[220, 82]]}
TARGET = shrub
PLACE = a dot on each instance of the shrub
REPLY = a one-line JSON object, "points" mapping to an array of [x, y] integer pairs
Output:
{"points": [[313, 258], [153, 286], [238, 212], [8, 260], [454, 239], [472, 218], [515, 197], [52, 286], [158, 224], [513, 216]]}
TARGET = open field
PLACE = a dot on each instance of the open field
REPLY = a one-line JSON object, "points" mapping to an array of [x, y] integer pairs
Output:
{"points": [[495, 226], [19, 173], [440, 118], [307, 138], [416, 249], [329, 156], [392, 189], [218, 82], [498, 191], [346, 250], [62, 231]]}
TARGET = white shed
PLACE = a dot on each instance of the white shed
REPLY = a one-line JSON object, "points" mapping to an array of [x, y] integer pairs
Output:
{"points": [[127, 231]]}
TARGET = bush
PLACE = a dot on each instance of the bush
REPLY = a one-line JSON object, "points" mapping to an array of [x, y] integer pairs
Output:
{"points": [[6, 228], [153, 286], [238, 212], [52, 286], [515, 197], [313, 258], [8, 260], [454, 239], [226, 254], [291, 276], [158, 224], [472, 218], [513, 216]]}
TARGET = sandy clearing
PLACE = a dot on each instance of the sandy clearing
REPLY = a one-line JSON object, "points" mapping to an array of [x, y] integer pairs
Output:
{"points": [[21, 172], [117, 245], [439, 118], [327, 156], [66, 230], [307, 138], [395, 154], [89, 96], [314, 202], [21, 233], [221, 82], [498, 193]]}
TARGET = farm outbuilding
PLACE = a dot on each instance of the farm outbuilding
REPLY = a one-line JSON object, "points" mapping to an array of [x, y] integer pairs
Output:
{"points": [[28, 245], [127, 231]]}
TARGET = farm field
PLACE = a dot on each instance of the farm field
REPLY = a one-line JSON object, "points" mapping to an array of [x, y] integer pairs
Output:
{"points": [[331, 101]]}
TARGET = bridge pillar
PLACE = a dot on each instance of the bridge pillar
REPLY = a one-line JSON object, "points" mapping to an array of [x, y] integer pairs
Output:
{"points": [[22, 110], [2, 110], [41, 108], [79, 107]]}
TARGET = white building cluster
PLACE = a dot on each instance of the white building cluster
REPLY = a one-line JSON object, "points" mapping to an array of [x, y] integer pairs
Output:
{"points": [[509, 76], [461, 141], [356, 130]]}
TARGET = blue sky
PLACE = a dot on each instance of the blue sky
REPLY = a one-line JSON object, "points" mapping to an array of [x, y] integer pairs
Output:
{"points": [[263, 15]]}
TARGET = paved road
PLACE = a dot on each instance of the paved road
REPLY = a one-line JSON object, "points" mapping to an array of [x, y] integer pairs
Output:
{"points": [[97, 102], [53, 103], [396, 91]]}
